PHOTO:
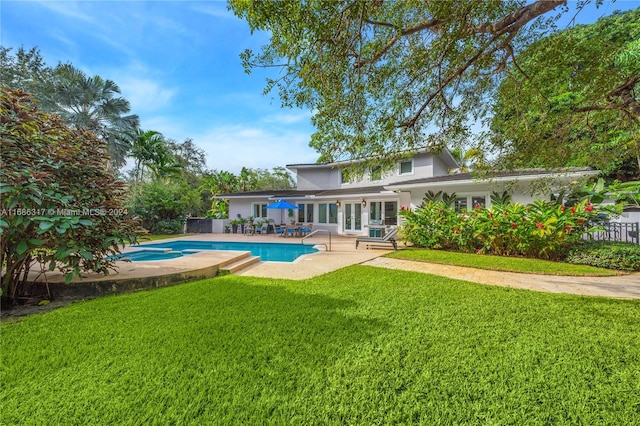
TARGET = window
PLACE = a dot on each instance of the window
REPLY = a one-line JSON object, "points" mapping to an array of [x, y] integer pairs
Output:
{"points": [[406, 167], [461, 204], [386, 216], [375, 213], [479, 201], [259, 210], [305, 213], [390, 213], [327, 213], [375, 173], [344, 177]]}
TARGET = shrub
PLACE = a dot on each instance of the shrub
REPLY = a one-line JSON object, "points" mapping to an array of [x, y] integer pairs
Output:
{"points": [[542, 230], [61, 205], [168, 227], [611, 255]]}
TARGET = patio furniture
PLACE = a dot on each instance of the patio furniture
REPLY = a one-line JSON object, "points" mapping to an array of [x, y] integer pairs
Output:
{"points": [[306, 229], [262, 229], [292, 231], [389, 238]]}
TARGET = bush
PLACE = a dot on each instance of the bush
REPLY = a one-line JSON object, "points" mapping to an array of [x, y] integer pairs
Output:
{"points": [[543, 230], [60, 204], [619, 256], [168, 227]]}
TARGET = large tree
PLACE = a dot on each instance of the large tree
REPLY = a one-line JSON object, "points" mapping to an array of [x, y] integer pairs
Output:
{"points": [[87, 103], [583, 109], [386, 76]]}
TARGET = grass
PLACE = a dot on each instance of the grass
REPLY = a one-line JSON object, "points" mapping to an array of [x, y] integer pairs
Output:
{"points": [[357, 346], [500, 263]]}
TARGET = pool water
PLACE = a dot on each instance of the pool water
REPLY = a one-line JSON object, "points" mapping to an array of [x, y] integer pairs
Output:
{"points": [[148, 255], [270, 252]]}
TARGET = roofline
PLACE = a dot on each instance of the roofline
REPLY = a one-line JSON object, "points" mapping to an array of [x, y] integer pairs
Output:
{"points": [[448, 157], [525, 177]]}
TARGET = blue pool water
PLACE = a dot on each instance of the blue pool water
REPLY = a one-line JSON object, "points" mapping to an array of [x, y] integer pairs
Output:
{"points": [[274, 252], [147, 255]]}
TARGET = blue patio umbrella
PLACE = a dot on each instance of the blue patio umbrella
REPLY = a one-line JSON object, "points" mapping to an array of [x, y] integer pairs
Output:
{"points": [[281, 204]]}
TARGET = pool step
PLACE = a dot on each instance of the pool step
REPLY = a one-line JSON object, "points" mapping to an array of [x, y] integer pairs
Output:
{"points": [[238, 264]]}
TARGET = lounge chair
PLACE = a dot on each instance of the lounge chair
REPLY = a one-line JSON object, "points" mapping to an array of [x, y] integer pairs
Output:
{"points": [[389, 238]]}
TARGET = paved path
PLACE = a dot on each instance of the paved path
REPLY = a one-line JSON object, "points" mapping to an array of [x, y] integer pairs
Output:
{"points": [[622, 287]]}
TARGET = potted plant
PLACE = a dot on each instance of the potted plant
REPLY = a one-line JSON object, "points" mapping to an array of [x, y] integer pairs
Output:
{"points": [[234, 225]]}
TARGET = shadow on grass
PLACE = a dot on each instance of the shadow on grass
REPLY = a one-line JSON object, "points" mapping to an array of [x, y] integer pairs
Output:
{"points": [[200, 350]]}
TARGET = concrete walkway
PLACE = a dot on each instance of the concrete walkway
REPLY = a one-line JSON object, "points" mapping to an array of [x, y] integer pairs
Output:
{"points": [[621, 287]]}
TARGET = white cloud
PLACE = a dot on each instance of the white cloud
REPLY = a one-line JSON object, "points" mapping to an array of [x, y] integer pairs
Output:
{"points": [[144, 94], [231, 147], [218, 11], [67, 8], [288, 118]]}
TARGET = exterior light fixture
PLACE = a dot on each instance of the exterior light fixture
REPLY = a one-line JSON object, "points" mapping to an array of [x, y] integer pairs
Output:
{"points": [[338, 203], [364, 203]]}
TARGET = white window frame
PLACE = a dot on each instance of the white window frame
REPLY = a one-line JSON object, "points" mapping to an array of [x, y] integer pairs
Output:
{"points": [[253, 210], [400, 173]]}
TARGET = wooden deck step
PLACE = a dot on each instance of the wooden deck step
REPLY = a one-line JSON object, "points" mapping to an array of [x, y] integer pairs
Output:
{"points": [[238, 265]]}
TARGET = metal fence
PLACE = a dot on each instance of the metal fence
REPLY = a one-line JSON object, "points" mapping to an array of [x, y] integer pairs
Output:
{"points": [[618, 231]]}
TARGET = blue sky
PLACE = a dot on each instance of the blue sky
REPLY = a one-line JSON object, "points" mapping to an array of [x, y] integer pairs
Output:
{"points": [[178, 64]]}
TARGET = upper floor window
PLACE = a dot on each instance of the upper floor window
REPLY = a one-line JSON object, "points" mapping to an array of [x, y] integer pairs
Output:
{"points": [[344, 177], [375, 173], [406, 167]]}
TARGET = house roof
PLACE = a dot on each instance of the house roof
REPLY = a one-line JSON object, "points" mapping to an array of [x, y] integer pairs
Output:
{"points": [[523, 174], [444, 155]]}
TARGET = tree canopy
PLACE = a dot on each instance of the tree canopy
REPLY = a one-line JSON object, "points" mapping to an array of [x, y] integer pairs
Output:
{"points": [[383, 77], [581, 109], [87, 103]]}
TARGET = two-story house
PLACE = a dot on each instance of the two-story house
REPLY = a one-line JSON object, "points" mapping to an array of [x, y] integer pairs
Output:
{"points": [[326, 199]]}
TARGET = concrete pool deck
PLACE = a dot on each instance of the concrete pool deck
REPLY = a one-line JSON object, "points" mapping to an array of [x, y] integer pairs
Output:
{"points": [[343, 253]]}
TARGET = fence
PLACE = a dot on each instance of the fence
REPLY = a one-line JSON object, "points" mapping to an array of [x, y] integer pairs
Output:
{"points": [[618, 231]]}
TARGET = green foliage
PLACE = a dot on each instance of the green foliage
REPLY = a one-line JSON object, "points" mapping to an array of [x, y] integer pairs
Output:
{"points": [[543, 229], [60, 205], [620, 256], [161, 205], [358, 346], [379, 76], [582, 111], [86, 103]]}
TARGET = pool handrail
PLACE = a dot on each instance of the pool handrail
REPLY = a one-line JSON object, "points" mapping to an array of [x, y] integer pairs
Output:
{"points": [[315, 232]]}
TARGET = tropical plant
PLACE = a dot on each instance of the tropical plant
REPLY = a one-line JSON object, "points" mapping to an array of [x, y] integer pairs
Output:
{"points": [[162, 206], [61, 209], [151, 152], [545, 230], [93, 104]]}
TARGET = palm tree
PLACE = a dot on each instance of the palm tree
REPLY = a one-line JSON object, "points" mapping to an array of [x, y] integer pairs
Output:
{"points": [[467, 160], [150, 151], [91, 103]]}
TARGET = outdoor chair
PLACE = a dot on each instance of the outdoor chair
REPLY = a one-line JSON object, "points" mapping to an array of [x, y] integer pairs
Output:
{"points": [[389, 238], [306, 229]]}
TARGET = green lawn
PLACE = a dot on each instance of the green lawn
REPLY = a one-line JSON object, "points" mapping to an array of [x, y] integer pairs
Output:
{"points": [[360, 346], [500, 263]]}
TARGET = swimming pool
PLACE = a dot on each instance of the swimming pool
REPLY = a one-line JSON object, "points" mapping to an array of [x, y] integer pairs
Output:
{"points": [[148, 255], [270, 252]]}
